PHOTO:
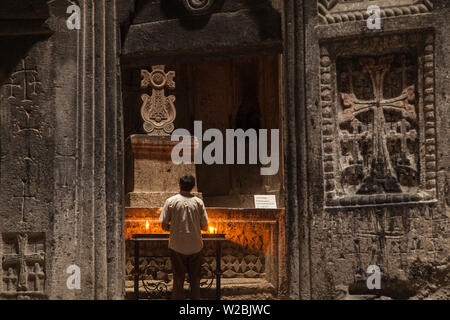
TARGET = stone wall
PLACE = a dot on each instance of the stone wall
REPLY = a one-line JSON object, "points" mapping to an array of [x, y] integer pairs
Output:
{"points": [[60, 139], [396, 239], [381, 197], [27, 144]]}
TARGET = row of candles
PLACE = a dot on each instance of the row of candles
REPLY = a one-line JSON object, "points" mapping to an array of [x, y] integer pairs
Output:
{"points": [[211, 229]]}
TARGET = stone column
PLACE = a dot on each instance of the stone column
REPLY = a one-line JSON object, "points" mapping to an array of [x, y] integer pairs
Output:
{"points": [[92, 232], [101, 153], [297, 240]]}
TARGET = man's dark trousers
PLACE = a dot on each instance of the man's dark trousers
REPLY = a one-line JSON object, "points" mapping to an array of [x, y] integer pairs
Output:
{"points": [[182, 264]]}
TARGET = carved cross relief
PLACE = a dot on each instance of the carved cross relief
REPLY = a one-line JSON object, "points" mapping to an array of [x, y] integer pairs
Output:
{"points": [[158, 110], [22, 264], [24, 79], [378, 120], [381, 159]]}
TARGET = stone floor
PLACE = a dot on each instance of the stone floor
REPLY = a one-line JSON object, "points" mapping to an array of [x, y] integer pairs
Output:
{"points": [[261, 289], [231, 289]]}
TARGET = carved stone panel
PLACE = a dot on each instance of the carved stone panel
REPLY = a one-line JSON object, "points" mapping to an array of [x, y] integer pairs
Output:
{"points": [[335, 11], [23, 265], [378, 123], [158, 110]]}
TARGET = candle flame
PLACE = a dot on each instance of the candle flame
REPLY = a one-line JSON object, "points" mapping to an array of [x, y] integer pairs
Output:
{"points": [[212, 230], [147, 225]]}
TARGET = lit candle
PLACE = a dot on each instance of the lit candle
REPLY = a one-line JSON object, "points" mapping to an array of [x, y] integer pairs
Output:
{"points": [[147, 226], [212, 229]]}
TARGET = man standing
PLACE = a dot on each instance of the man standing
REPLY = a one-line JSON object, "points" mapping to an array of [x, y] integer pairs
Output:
{"points": [[184, 215]]}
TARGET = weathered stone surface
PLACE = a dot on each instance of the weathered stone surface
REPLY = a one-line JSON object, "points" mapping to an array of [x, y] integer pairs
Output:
{"points": [[223, 31], [336, 11], [148, 157], [380, 126], [62, 188], [151, 11], [27, 146], [54, 160], [361, 232]]}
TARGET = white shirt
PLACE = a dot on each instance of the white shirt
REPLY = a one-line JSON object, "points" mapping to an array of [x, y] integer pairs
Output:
{"points": [[187, 215]]}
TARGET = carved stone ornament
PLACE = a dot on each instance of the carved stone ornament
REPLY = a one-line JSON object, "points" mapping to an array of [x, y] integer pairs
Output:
{"points": [[197, 7], [378, 121], [158, 111], [335, 11], [23, 265]]}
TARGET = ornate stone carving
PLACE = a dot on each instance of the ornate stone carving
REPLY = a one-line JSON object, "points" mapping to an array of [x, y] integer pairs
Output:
{"points": [[334, 11], [237, 262], [374, 134], [158, 111], [197, 7], [23, 265]]}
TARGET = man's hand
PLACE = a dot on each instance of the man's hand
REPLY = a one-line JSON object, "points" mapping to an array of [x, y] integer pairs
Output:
{"points": [[165, 226]]}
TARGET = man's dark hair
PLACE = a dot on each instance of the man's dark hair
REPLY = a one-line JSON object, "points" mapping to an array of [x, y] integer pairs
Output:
{"points": [[187, 182]]}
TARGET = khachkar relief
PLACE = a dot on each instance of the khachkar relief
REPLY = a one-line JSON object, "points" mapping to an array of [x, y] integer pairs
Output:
{"points": [[23, 265], [378, 121], [335, 11], [158, 110]]}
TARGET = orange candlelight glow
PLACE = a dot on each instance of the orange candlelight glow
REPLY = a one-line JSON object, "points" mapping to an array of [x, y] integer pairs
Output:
{"points": [[249, 228], [212, 229]]}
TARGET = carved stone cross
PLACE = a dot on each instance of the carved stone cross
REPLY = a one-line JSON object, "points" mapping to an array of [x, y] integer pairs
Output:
{"points": [[37, 275], [21, 259], [26, 81], [10, 280], [381, 175], [157, 110]]}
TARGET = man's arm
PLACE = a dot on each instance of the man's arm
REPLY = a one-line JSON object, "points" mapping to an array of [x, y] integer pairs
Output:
{"points": [[204, 218], [164, 218]]}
